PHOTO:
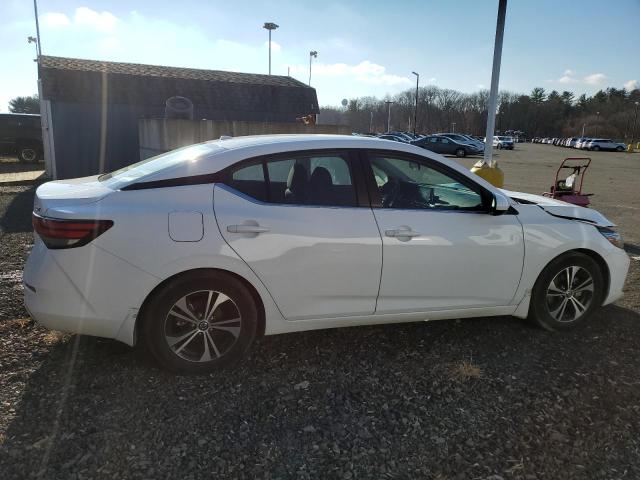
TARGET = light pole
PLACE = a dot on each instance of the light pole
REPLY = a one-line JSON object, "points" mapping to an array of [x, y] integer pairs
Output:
{"points": [[495, 78], [270, 26], [415, 110], [635, 120], [597, 121], [389, 102], [312, 54], [370, 122], [453, 127]]}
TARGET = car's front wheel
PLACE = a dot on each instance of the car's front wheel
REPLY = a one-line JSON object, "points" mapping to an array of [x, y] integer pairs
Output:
{"points": [[620, 149], [596, 148], [461, 152], [200, 322], [567, 292]]}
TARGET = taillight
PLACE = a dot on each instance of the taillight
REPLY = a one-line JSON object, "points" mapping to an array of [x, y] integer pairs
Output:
{"points": [[57, 233]]}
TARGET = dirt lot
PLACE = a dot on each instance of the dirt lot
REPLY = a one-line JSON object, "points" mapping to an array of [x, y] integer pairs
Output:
{"points": [[475, 399]]}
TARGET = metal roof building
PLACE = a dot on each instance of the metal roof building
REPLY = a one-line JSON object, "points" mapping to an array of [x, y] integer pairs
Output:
{"points": [[92, 107]]}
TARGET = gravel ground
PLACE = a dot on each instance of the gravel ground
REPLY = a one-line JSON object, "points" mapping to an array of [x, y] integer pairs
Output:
{"points": [[475, 399]]}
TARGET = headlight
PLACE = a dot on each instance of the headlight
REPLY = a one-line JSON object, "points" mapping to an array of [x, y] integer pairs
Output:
{"points": [[614, 237]]}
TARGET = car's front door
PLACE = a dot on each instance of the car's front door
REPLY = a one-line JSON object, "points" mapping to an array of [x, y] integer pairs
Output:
{"points": [[298, 222], [441, 248]]}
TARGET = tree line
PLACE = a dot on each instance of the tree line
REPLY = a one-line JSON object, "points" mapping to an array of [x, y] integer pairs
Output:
{"points": [[608, 113]]}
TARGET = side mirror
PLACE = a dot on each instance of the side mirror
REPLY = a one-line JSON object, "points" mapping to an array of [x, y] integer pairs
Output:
{"points": [[499, 205]]}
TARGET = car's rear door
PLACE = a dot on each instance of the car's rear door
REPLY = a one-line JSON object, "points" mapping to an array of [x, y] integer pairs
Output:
{"points": [[302, 224], [442, 248]]}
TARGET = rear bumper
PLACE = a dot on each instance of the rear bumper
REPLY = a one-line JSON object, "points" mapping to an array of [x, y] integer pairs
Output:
{"points": [[83, 290]]}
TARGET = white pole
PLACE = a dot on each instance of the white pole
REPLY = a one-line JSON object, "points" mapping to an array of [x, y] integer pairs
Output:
{"points": [[495, 78]]}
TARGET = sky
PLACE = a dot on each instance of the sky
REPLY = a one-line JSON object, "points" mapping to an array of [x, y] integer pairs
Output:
{"points": [[365, 47]]}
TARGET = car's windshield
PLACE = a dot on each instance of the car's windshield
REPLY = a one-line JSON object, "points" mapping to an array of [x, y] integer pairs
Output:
{"points": [[146, 168]]}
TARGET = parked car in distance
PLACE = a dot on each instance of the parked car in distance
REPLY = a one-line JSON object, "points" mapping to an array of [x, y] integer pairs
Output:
{"points": [[201, 250], [605, 144], [21, 135], [446, 146], [465, 139], [581, 143], [395, 138], [503, 142]]}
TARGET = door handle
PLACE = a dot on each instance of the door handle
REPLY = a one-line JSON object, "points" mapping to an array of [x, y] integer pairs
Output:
{"points": [[401, 232], [246, 229]]}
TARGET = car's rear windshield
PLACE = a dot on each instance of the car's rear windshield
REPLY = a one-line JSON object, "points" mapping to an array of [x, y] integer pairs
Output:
{"points": [[151, 166]]}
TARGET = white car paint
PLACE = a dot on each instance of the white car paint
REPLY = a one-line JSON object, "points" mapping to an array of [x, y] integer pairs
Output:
{"points": [[315, 267]]}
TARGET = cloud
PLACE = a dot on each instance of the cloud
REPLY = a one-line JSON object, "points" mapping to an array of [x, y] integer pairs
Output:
{"points": [[595, 79], [101, 21], [568, 77], [55, 20], [631, 85], [275, 46], [364, 72], [432, 80], [82, 17]]}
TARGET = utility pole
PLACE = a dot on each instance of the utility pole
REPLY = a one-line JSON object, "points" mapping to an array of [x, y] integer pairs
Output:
{"points": [[269, 26], [415, 110], [370, 122], [38, 44], [389, 102], [453, 127], [597, 121], [495, 78], [312, 54]]}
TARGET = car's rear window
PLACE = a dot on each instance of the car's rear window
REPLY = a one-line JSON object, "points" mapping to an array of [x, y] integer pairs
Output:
{"points": [[145, 169]]}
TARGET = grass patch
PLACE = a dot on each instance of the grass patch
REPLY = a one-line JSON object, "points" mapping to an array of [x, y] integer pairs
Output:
{"points": [[466, 370], [52, 337]]}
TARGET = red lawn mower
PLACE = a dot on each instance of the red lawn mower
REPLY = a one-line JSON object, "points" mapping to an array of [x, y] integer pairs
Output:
{"points": [[569, 189]]}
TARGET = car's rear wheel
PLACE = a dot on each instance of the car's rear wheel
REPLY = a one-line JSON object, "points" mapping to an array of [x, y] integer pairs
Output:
{"points": [[567, 292], [27, 154], [200, 322], [620, 149], [461, 152]]}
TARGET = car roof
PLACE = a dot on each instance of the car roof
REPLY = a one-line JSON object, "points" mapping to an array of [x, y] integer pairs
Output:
{"points": [[229, 151]]}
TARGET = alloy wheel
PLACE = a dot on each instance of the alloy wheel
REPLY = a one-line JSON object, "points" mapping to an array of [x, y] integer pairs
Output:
{"points": [[570, 293], [202, 326], [28, 154]]}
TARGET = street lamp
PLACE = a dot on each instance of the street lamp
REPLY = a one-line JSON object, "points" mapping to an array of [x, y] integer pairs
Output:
{"points": [[597, 121], [415, 110], [270, 26], [635, 120], [312, 54], [389, 102], [453, 127]]}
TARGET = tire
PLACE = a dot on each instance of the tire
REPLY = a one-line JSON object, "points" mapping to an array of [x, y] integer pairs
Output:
{"points": [[183, 338], [596, 148], [28, 154], [620, 149], [461, 152], [554, 306]]}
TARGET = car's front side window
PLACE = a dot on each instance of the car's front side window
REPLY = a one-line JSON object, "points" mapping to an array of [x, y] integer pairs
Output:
{"points": [[411, 184]]}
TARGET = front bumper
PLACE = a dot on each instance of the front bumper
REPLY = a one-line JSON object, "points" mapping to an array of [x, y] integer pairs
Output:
{"points": [[618, 262]]}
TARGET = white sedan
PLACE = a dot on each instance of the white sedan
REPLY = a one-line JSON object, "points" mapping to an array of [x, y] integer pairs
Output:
{"points": [[199, 251]]}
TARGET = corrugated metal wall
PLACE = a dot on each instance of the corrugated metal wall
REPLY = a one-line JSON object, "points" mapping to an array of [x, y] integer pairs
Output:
{"points": [[77, 130]]}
